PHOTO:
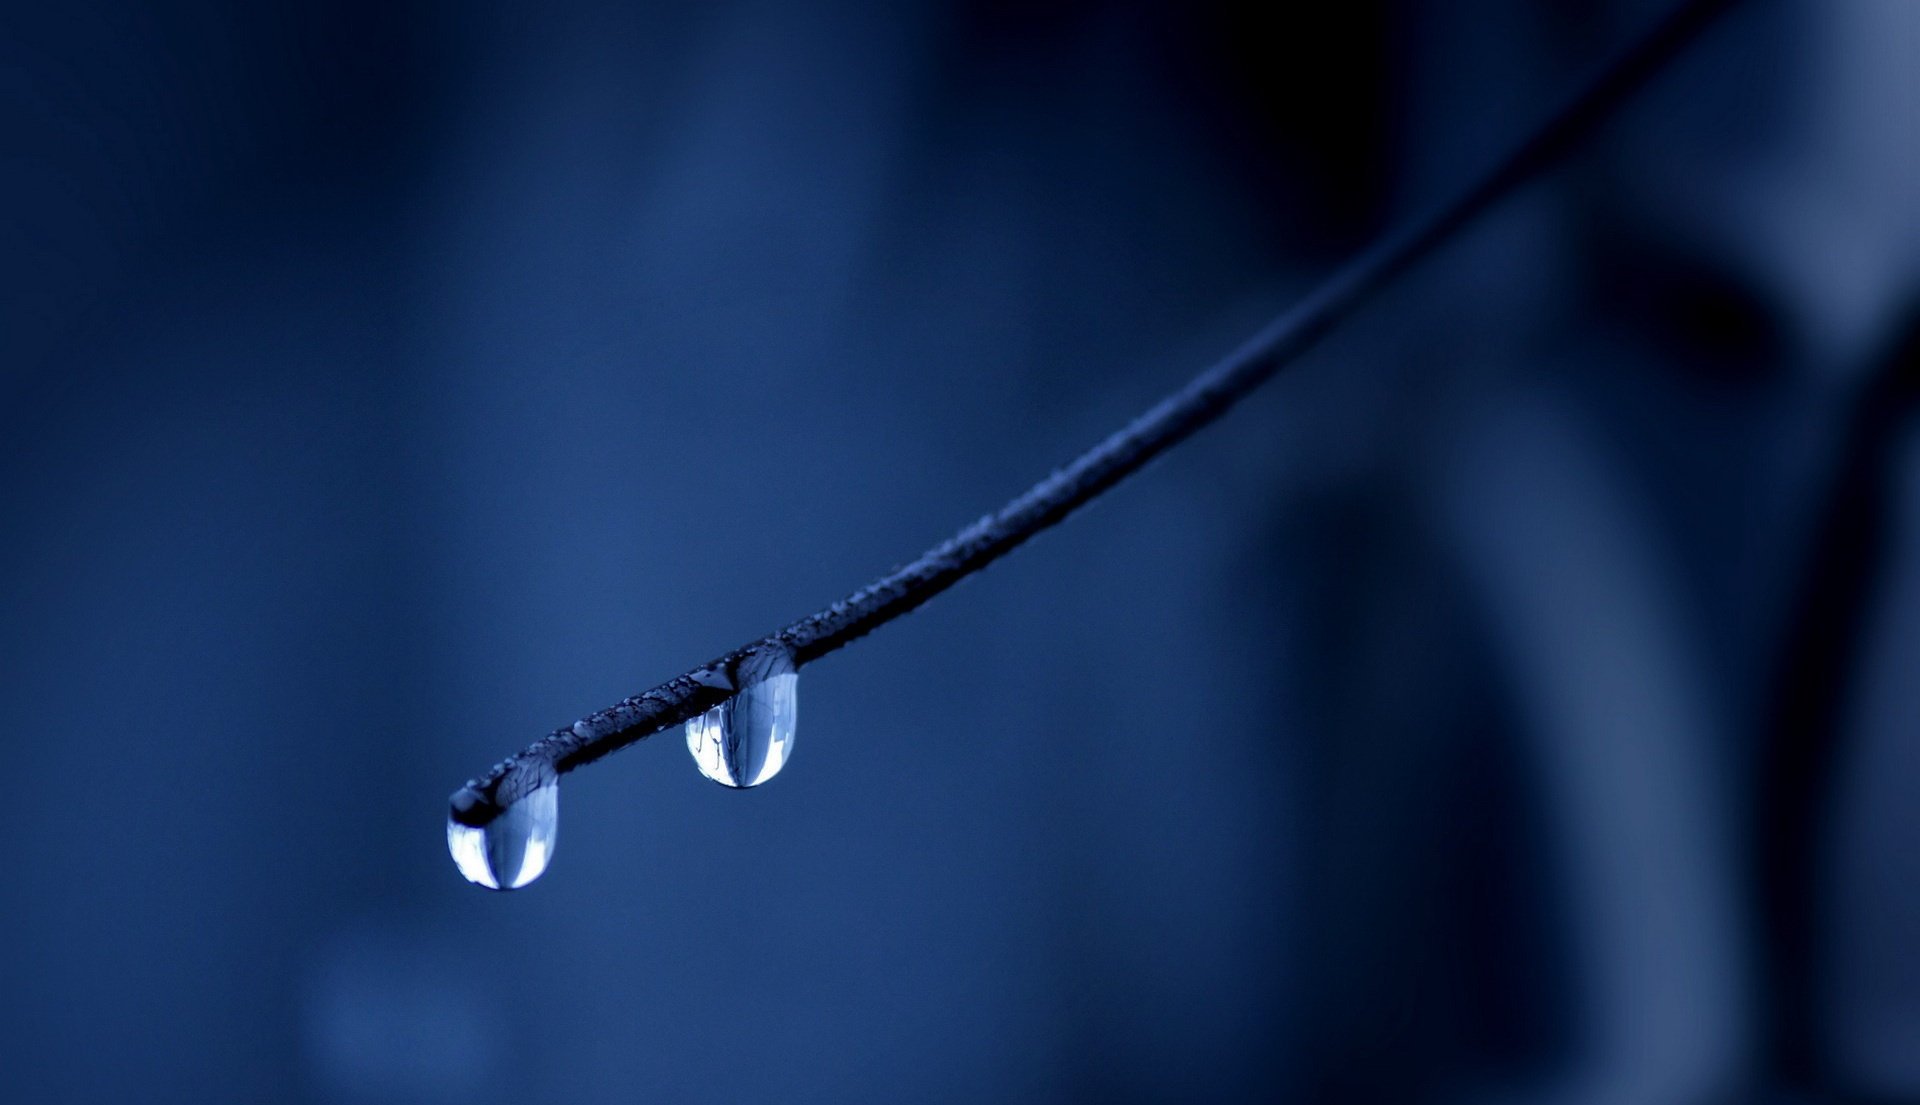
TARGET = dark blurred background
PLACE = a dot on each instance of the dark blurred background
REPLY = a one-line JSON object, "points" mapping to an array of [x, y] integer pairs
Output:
{"points": [[1516, 702]]}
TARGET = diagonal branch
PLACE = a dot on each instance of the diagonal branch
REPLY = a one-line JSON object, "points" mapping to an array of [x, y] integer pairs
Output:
{"points": [[1204, 399]]}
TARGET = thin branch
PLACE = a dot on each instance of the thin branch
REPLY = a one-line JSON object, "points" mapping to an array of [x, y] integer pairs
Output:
{"points": [[1173, 420]]}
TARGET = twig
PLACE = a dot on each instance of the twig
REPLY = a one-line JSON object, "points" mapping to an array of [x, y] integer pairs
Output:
{"points": [[1200, 402]]}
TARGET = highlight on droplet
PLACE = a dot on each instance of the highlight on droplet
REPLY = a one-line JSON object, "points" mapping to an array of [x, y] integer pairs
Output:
{"points": [[513, 848], [747, 739]]}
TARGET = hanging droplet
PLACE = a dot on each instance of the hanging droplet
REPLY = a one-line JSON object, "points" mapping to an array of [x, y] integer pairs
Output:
{"points": [[512, 848], [746, 740]]}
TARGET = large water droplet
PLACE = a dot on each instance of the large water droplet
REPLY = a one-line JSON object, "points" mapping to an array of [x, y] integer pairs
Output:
{"points": [[746, 740], [513, 848]]}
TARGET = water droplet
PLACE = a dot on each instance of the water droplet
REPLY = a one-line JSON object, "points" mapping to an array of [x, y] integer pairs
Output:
{"points": [[512, 849], [746, 740]]}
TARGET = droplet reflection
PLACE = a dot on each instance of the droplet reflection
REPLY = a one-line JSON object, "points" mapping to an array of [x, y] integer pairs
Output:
{"points": [[513, 849], [746, 740]]}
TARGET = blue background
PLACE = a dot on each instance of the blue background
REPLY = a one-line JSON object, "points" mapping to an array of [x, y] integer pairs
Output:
{"points": [[1515, 702]]}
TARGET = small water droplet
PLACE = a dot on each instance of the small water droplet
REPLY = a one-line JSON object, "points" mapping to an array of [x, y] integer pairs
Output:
{"points": [[513, 848], [746, 740]]}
